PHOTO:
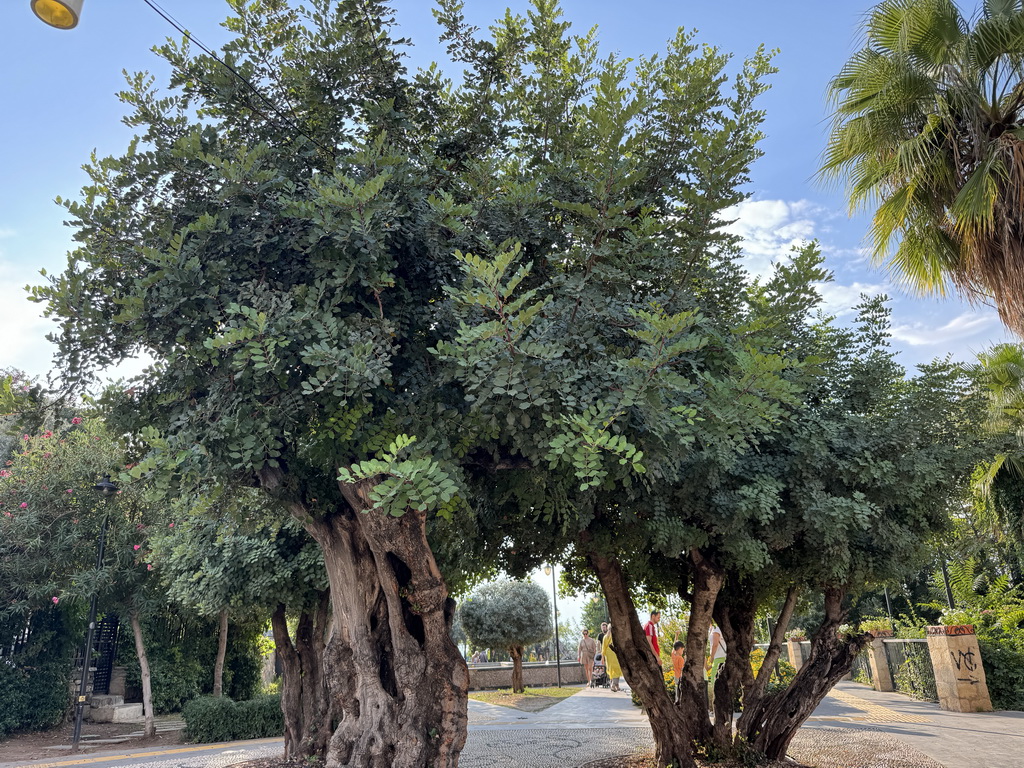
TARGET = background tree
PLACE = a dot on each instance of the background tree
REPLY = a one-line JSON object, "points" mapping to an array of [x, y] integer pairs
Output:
{"points": [[52, 519], [594, 612], [928, 125], [509, 615], [227, 551]]}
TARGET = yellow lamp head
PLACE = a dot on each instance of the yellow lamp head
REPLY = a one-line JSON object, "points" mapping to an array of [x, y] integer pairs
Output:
{"points": [[62, 14]]}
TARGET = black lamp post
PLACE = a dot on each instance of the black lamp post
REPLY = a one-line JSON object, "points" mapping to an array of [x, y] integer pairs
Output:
{"points": [[554, 602], [106, 489]]}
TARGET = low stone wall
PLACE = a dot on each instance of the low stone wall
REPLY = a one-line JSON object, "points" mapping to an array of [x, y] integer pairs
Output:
{"points": [[534, 674]]}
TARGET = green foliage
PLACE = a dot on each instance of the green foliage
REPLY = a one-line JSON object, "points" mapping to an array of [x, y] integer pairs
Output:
{"points": [[34, 678], [50, 520], [507, 614], [209, 719], [916, 678], [1002, 654], [181, 651]]}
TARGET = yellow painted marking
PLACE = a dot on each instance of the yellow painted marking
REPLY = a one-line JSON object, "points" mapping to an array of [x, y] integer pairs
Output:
{"points": [[157, 753], [876, 712]]}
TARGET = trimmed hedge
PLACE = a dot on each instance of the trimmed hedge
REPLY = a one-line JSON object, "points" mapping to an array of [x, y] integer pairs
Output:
{"points": [[212, 719]]}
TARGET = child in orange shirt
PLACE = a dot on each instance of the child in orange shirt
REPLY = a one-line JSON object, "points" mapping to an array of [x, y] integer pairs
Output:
{"points": [[678, 659]]}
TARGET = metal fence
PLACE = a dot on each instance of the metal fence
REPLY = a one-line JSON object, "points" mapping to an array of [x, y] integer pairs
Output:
{"points": [[861, 669], [910, 665]]}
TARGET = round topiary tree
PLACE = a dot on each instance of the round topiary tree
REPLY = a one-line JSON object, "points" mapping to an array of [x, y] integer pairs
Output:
{"points": [[509, 615]]}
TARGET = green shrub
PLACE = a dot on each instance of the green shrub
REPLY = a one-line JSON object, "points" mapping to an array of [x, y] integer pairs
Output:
{"points": [[209, 719], [1003, 660], [34, 692]]}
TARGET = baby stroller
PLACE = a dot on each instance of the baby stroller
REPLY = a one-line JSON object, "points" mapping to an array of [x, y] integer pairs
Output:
{"points": [[599, 678]]}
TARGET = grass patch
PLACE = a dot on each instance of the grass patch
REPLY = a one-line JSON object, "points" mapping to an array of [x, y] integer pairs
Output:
{"points": [[531, 700]]}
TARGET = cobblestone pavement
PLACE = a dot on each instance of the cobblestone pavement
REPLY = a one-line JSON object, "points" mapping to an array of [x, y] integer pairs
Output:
{"points": [[844, 748]]}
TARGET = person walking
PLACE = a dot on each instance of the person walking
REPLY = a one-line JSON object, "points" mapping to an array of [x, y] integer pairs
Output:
{"points": [[611, 661], [585, 653], [651, 630], [716, 657]]}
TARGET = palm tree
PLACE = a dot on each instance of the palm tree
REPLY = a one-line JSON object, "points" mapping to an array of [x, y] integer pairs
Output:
{"points": [[928, 126], [997, 507]]}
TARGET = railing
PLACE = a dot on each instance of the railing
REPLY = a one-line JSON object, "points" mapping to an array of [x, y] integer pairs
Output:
{"points": [[861, 670], [910, 665]]}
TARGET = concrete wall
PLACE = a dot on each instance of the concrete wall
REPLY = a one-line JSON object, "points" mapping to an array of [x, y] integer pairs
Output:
{"points": [[535, 674]]}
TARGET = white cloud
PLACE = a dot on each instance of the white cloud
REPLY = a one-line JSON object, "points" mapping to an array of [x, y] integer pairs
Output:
{"points": [[840, 300], [965, 326], [770, 229]]}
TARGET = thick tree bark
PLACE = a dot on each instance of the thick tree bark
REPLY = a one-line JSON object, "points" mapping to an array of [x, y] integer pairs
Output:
{"points": [[149, 729], [772, 729], [397, 683], [673, 733], [516, 652], [222, 650], [304, 701], [692, 690], [753, 696], [735, 611]]}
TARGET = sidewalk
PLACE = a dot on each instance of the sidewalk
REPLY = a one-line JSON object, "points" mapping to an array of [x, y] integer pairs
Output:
{"points": [[592, 724], [951, 739], [854, 727]]}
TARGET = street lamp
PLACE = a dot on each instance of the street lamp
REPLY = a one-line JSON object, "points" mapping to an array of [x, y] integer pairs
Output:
{"points": [[550, 571], [106, 489], [62, 14]]}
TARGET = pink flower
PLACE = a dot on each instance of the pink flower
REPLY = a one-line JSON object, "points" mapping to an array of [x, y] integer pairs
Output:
{"points": [[171, 525], [149, 566], [76, 420], [24, 505], [55, 600], [24, 437], [47, 455], [70, 490], [137, 547], [47, 433], [8, 514], [5, 473]]}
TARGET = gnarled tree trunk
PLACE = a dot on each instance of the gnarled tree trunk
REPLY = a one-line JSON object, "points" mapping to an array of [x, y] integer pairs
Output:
{"points": [[673, 733], [397, 683], [516, 652], [754, 702], [735, 611], [222, 650], [304, 701], [773, 728]]}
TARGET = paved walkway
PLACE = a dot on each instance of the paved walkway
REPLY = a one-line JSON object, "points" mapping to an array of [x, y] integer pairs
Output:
{"points": [[951, 739], [854, 727]]}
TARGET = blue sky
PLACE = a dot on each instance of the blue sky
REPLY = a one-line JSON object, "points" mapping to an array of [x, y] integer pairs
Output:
{"points": [[59, 91]]}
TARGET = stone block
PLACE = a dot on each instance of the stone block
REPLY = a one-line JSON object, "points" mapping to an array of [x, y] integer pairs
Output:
{"points": [[117, 682], [119, 713], [880, 675], [959, 673]]}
